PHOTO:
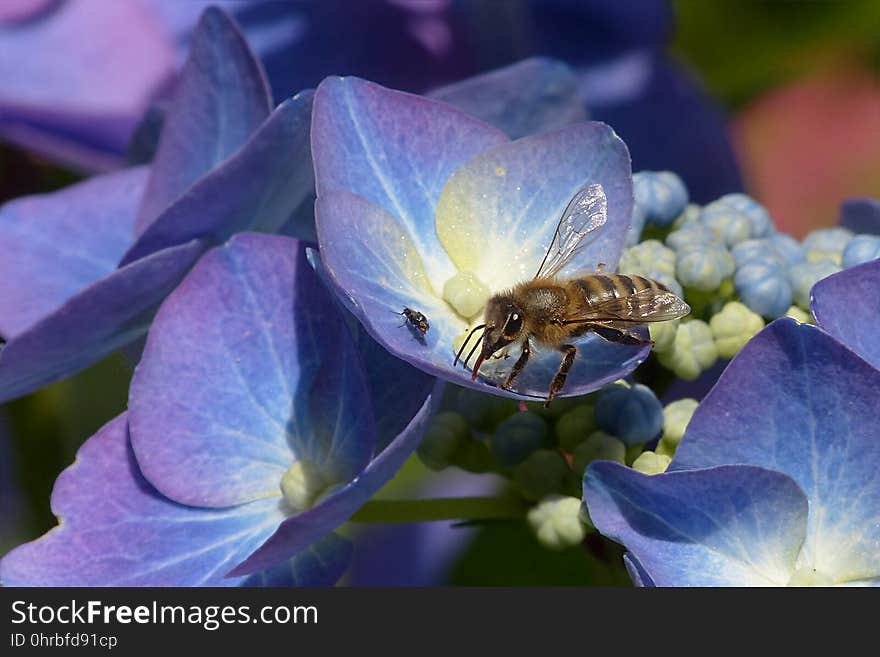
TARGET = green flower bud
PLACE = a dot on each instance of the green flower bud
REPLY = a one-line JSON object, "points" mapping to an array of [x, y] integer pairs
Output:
{"points": [[632, 453], [676, 417], [599, 446], [733, 327], [518, 436], [543, 473], [663, 334], [556, 522], [647, 256], [651, 463], [799, 315], [473, 455], [483, 412], [574, 427], [443, 437], [692, 351]]}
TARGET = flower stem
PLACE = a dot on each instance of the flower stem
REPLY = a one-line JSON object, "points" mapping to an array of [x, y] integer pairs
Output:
{"points": [[440, 508]]}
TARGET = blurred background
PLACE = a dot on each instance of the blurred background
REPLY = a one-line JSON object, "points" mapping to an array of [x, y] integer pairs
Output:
{"points": [[779, 99]]}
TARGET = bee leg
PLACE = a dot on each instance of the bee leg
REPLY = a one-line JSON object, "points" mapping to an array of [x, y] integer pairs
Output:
{"points": [[570, 352], [518, 365], [618, 336]]}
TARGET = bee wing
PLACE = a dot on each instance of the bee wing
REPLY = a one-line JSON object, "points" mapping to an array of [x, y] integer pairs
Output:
{"points": [[586, 211], [646, 305]]}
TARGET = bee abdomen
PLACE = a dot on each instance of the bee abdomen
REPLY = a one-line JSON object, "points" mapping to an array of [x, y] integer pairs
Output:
{"points": [[600, 287]]}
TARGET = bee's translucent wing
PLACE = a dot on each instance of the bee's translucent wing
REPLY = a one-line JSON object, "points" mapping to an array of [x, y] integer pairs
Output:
{"points": [[585, 212], [646, 305]]}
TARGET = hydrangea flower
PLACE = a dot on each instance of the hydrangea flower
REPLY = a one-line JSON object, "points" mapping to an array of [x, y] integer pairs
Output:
{"points": [[100, 256], [861, 215], [422, 206], [776, 481], [253, 431]]}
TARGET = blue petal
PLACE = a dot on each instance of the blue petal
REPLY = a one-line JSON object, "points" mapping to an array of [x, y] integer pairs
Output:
{"points": [[861, 215], [61, 243], [635, 571], [378, 277], [222, 96], [248, 367], [847, 305], [797, 401], [115, 529], [531, 96], [101, 318], [320, 564], [395, 149], [301, 530], [725, 526], [257, 188]]}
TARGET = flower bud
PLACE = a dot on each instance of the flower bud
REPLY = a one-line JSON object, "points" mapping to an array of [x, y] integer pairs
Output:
{"points": [[805, 275], [598, 446], [445, 433], [827, 244], [764, 287], [676, 417], [788, 247], [574, 426], [663, 334], [651, 463], [647, 256], [799, 315], [733, 327], [483, 411], [543, 473], [660, 194], [634, 414], [517, 437], [556, 522], [694, 233], [692, 351], [703, 266], [862, 248], [760, 224], [728, 224]]}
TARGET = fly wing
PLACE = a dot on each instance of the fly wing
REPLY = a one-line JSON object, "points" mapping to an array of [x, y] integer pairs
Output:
{"points": [[648, 305], [585, 212]]}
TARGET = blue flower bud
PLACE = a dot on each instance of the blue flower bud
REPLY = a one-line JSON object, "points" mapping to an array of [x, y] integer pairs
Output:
{"points": [[634, 415], [762, 250], [862, 248], [788, 247], [695, 233], [728, 223], [805, 275], [764, 287], [661, 195], [668, 280], [827, 244], [647, 256], [689, 217], [517, 437], [636, 225], [703, 266], [759, 219]]}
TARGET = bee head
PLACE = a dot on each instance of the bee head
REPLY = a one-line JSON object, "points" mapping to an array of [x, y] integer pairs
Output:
{"points": [[504, 325]]}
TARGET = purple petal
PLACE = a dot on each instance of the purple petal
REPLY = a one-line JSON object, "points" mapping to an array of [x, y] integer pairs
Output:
{"points": [[531, 96], [726, 526], [95, 322], [847, 305], [320, 564], [54, 245], [248, 367], [117, 530], [861, 215], [395, 149], [75, 78], [362, 267], [636, 572], [797, 401], [300, 530], [222, 97], [257, 188]]}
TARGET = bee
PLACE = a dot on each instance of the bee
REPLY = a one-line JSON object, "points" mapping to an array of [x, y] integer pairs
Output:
{"points": [[416, 320], [552, 311]]}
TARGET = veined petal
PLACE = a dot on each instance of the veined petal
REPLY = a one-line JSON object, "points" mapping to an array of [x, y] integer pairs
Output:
{"points": [[636, 572], [222, 96], [52, 246], [115, 529], [248, 367], [724, 526], [376, 271], [98, 320], [396, 150], [847, 305], [320, 564], [257, 188], [534, 95], [304, 528], [796, 401], [498, 213]]}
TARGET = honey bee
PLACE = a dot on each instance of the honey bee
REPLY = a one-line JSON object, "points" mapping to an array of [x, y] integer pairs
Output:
{"points": [[416, 320], [553, 311]]}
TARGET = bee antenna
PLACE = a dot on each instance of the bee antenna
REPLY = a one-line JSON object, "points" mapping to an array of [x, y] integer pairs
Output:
{"points": [[474, 348], [464, 344]]}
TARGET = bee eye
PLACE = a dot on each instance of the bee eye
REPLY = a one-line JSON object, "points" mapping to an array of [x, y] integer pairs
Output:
{"points": [[514, 325]]}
